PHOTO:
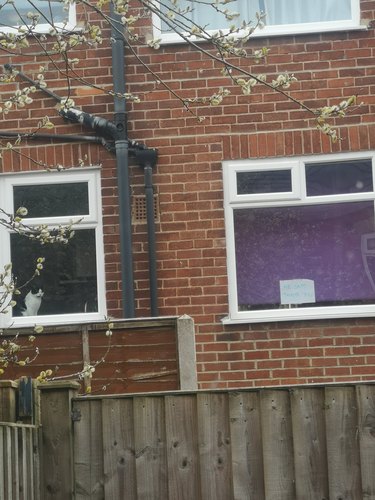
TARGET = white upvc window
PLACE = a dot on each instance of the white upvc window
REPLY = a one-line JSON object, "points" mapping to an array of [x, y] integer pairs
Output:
{"points": [[52, 13], [283, 17], [70, 287], [300, 237]]}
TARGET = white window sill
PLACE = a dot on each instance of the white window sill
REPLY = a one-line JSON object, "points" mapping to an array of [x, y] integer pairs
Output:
{"points": [[63, 319], [43, 29], [300, 314], [274, 31]]}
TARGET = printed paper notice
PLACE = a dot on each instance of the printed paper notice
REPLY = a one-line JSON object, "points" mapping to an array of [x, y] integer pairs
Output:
{"points": [[297, 291]]}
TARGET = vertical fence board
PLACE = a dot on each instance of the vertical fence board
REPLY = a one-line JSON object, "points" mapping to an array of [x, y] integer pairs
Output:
{"points": [[366, 426], [118, 449], [57, 439], [35, 460], [23, 464], [2, 464], [8, 463], [182, 447], [31, 467], [150, 448], [310, 450], [277, 445], [342, 443], [214, 446], [19, 479], [8, 391], [15, 464], [88, 451], [246, 439]]}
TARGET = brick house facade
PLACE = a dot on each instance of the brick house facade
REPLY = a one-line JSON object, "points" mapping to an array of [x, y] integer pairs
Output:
{"points": [[191, 232]]}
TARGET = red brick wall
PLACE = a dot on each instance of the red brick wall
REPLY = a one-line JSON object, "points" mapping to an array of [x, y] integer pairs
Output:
{"points": [[192, 276], [191, 237]]}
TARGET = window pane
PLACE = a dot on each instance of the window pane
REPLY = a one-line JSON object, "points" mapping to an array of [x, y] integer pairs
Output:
{"points": [[339, 178], [16, 14], [278, 12], [68, 279], [306, 11], [204, 15], [321, 243], [268, 181], [53, 200]]}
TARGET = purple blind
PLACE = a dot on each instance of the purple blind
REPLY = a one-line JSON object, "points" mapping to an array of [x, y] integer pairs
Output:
{"points": [[317, 242]]}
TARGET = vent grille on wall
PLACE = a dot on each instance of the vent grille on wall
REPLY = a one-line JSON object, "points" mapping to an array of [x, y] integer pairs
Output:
{"points": [[139, 212]]}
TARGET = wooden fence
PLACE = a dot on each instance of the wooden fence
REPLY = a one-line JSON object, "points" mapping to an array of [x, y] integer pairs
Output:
{"points": [[314, 443], [300, 443], [19, 446], [19, 460]]}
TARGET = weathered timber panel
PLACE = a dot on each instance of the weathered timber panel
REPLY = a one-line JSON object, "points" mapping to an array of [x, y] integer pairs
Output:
{"points": [[57, 440], [308, 443], [214, 446], [366, 428], [246, 439], [143, 355], [182, 447], [88, 451], [277, 445], [19, 474], [118, 449], [342, 444], [309, 440], [150, 448]]}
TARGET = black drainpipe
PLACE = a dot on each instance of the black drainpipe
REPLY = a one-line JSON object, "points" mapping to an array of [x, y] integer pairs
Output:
{"points": [[122, 159], [147, 159]]}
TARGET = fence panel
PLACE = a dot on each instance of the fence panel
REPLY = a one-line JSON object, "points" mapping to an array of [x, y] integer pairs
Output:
{"points": [[272, 444], [342, 443], [277, 445], [214, 446], [182, 447], [118, 449], [246, 439], [366, 428], [19, 462], [88, 452], [309, 441]]}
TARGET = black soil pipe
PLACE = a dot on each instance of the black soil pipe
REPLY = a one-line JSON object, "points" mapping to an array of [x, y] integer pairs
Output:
{"points": [[147, 159], [122, 158], [53, 137]]}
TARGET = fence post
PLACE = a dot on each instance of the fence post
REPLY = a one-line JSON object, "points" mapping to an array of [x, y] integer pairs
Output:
{"points": [[57, 477], [186, 353], [8, 393]]}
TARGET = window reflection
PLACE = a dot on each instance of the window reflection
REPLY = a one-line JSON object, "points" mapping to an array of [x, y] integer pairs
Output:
{"points": [[69, 278]]}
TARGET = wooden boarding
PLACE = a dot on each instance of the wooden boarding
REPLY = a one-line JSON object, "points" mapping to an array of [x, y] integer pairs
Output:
{"points": [[19, 462], [302, 443]]}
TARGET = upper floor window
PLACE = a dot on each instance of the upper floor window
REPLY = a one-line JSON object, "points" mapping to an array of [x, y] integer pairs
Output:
{"points": [[71, 285], [282, 16], [301, 237], [50, 13]]}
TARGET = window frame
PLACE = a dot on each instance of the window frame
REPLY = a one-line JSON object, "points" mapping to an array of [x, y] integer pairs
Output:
{"points": [[43, 28], [273, 30], [93, 220], [298, 197]]}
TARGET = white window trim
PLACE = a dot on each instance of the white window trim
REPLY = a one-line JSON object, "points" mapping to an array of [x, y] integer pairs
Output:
{"points": [[70, 25], [274, 30], [91, 221], [231, 202]]}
